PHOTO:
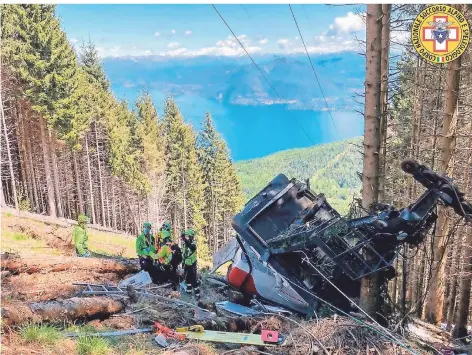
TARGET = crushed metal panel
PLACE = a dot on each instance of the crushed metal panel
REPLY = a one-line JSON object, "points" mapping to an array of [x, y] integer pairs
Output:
{"points": [[237, 309]]}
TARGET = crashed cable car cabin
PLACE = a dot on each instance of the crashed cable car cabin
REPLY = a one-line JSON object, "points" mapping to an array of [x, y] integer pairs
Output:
{"points": [[293, 249]]}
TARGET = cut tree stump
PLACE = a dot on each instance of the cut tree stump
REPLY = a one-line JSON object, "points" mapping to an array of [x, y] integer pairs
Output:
{"points": [[17, 313], [62, 263]]}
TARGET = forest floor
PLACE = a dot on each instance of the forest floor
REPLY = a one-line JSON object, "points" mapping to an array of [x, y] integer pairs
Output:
{"points": [[47, 267]]}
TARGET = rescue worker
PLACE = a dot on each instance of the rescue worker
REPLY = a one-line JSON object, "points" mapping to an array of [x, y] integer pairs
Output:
{"points": [[80, 238], [189, 255], [164, 232], [146, 250], [166, 261]]}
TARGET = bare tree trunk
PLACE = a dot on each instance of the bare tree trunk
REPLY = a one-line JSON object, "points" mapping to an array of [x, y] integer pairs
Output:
{"points": [[77, 183], [113, 203], [92, 204], [463, 306], [453, 276], [52, 140], [434, 304], [102, 199], [107, 199], [28, 139], [386, 8], [21, 136], [404, 282], [2, 196], [369, 298], [10, 162], [47, 167]]}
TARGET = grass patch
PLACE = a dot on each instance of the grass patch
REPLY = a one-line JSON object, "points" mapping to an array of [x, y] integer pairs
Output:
{"points": [[17, 242], [112, 244], [81, 329], [20, 236], [93, 346], [43, 334], [8, 214], [138, 344]]}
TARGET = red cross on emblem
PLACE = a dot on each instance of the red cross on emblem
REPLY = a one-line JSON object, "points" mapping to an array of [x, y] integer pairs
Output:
{"points": [[427, 35]]}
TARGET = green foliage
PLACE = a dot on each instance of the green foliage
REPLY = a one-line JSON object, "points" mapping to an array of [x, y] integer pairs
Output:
{"points": [[20, 236], [93, 346], [148, 137], [332, 169], [23, 200], [43, 60], [91, 64], [43, 334], [184, 180], [124, 156], [222, 186]]}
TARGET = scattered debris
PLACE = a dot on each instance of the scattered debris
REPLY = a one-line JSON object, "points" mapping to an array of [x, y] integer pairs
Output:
{"points": [[237, 309], [270, 336], [167, 332], [161, 340], [139, 280]]}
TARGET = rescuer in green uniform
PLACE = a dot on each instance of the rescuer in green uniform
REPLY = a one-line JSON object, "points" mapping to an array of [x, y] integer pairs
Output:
{"points": [[189, 255], [146, 250], [80, 238]]}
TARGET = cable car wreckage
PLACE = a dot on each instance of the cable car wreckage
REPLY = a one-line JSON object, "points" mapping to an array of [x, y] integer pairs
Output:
{"points": [[292, 249]]}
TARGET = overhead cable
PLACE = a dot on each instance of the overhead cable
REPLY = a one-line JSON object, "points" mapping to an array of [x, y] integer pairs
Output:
{"points": [[314, 71], [260, 71]]}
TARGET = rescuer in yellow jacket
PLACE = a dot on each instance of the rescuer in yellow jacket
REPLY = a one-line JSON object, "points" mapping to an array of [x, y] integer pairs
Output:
{"points": [[166, 261]]}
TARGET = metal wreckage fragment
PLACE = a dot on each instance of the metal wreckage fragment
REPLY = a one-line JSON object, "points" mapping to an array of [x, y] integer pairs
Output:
{"points": [[292, 249]]}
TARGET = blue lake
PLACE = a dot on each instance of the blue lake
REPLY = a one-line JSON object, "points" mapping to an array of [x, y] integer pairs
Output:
{"points": [[256, 131]]}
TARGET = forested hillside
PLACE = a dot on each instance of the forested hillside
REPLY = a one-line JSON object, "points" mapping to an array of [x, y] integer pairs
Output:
{"points": [[333, 169], [69, 146]]}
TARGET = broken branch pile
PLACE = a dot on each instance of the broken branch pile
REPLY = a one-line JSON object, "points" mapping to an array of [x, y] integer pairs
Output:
{"points": [[341, 335]]}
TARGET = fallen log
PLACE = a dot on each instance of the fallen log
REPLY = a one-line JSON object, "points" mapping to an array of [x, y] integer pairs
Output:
{"points": [[14, 314], [57, 264]]}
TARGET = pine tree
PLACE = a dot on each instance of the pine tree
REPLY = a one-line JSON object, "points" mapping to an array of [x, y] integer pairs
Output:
{"points": [[150, 144], [45, 64], [222, 187], [184, 183], [91, 63]]}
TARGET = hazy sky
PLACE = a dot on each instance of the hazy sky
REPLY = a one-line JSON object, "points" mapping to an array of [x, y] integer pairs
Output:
{"points": [[190, 30]]}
